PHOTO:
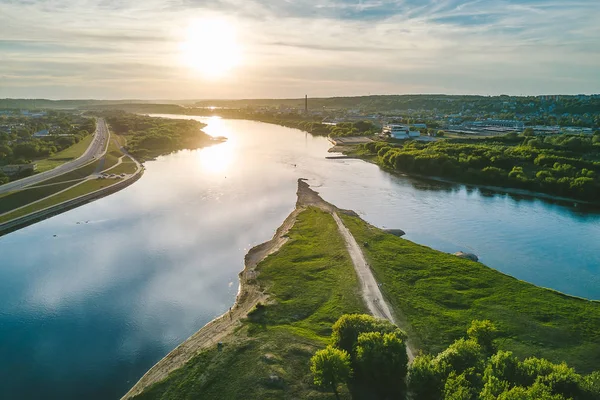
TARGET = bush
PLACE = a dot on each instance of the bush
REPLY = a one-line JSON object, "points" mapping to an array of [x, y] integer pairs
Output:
{"points": [[346, 330], [330, 367]]}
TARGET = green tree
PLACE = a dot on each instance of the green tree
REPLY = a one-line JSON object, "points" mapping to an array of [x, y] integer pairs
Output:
{"points": [[528, 132], [462, 355], [330, 367], [484, 333], [348, 327], [458, 387], [426, 378], [381, 362], [3, 178]]}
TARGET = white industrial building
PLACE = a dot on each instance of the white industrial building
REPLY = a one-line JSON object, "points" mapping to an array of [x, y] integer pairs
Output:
{"points": [[399, 131]]}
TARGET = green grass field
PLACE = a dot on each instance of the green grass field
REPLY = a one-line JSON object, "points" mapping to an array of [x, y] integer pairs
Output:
{"points": [[126, 167], [113, 154], [79, 190], [439, 294], [68, 154], [23, 197], [311, 282], [80, 173]]}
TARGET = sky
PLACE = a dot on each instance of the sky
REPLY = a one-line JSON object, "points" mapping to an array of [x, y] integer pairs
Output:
{"points": [[203, 49]]}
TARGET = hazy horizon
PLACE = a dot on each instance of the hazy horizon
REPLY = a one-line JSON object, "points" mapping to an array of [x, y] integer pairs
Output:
{"points": [[268, 49], [199, 99]]}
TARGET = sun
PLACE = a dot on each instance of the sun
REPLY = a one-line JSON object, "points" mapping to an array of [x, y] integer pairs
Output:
{"points": [[211, 48]]}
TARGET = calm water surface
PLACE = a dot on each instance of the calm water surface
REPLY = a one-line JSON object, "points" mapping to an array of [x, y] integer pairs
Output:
{"points": [[128, 277]]}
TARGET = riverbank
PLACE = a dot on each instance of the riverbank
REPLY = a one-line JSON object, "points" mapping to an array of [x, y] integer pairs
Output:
{"points": [[65, 203], [262, 346], [350, 153], [284, 310]]}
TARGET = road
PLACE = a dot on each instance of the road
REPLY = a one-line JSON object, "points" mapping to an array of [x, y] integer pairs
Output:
{"points": [[96, 150], [368, 285]]}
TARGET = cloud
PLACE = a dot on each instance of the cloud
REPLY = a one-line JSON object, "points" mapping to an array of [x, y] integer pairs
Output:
{"points": [[293, 47]]}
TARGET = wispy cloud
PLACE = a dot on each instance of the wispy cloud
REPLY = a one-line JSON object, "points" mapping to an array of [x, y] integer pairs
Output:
{"points": [[102, 48]]}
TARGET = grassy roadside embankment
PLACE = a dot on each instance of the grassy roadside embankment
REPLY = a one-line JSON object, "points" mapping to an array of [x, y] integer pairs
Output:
{"points": [[69, 154], [75, 191], [67, 186], [439, 295], [309, 282]]}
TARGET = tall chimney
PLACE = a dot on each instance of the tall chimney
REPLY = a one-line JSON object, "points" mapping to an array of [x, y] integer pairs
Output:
{"points": [[306, 104]]}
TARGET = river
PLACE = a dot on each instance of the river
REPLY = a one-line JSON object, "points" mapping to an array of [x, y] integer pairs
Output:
{"points": [[92, 298]]}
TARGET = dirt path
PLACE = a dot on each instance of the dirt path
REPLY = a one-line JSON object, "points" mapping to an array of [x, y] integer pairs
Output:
{"points": [[368, 285], [370, 289]]}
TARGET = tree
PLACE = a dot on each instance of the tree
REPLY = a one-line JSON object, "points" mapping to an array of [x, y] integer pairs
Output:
{"points": [[426, 378], [484, 333], [381, 362], [528, 132], [3, 178], [330, 367], [458, 387], [462, 355], [346, 330]]}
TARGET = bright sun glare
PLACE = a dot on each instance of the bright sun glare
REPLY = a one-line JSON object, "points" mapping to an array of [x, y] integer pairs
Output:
{"points": [[211, 47]]}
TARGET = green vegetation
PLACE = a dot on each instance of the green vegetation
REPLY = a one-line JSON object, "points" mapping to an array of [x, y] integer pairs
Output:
{"points": [[316, 127], [126, 167], [149, 137], [113, 154], [470, 368], [18, 145], [377, 352], [467, 371], [330, 367], [69, 154], [311, 283], [309, 340], [79, 173], [439, 294], [563, 165], [76, 191], [20, 198]]}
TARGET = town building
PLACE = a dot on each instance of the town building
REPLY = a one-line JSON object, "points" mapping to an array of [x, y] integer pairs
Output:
{"points": [[42, 133], [399, 131]]}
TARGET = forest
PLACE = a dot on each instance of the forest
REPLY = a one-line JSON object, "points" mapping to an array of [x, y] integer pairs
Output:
{"points": [[369, 355], [560, 165], [149, 137]]}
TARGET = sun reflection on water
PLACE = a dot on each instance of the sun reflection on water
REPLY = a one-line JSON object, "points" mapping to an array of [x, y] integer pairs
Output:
{"points": [[219, 157]]}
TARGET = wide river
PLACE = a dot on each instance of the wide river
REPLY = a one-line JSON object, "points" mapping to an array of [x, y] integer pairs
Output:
{"points": [[90, 299]]}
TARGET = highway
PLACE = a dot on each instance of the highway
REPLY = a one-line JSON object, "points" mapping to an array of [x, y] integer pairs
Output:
{"points": [[96, 150]]}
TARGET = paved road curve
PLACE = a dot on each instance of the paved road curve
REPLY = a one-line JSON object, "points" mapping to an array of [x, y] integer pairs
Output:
{"points": [[94, 151]]}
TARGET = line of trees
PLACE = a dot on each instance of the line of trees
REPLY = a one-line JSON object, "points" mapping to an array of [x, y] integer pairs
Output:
{"points": [[150, 137], [358, 128], [563, 165], [369, 355]]}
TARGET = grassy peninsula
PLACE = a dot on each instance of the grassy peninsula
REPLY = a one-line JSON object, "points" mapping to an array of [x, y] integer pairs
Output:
{"points": [[150, 137], [310, 283], [292, 294]]}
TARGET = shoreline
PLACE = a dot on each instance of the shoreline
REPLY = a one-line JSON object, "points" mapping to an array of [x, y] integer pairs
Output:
{"points": [[68, 205], [248, 296], [220, 329], [497, 189]]}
